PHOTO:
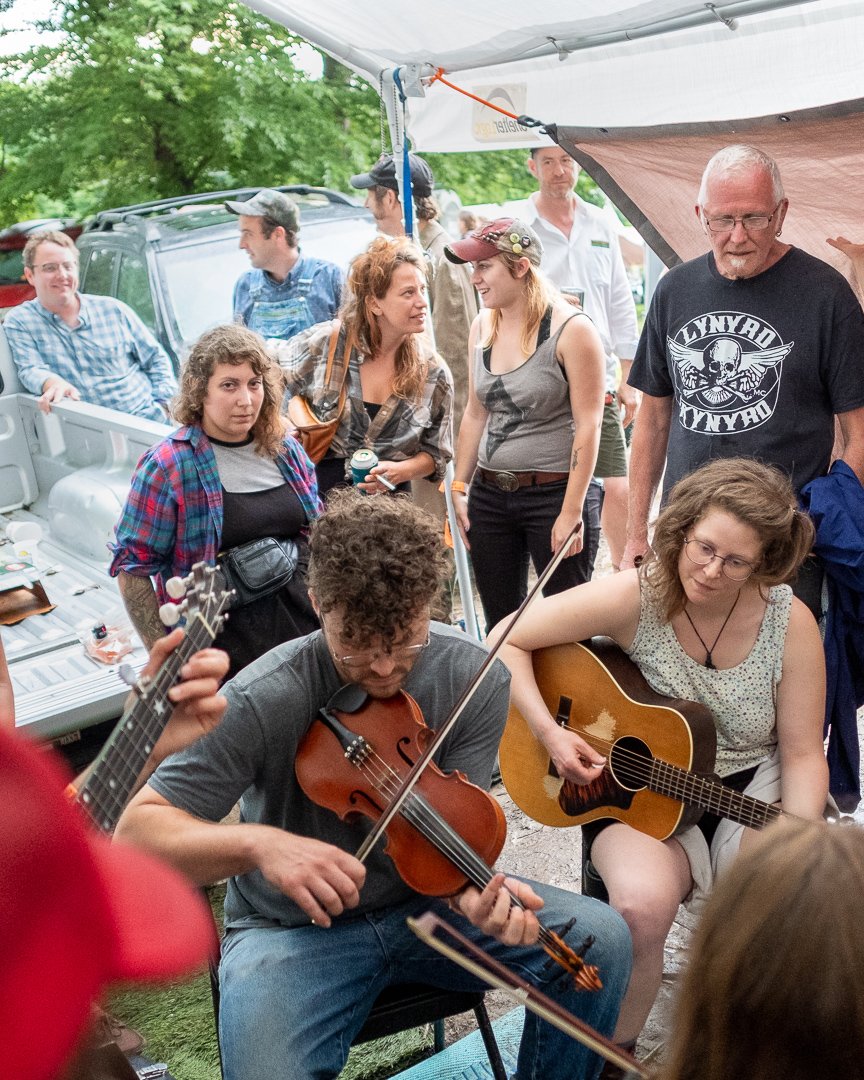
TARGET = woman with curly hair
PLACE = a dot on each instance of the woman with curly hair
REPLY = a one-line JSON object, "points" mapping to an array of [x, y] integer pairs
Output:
{"points": [[708, 618], [399, 392], [230, 475]]}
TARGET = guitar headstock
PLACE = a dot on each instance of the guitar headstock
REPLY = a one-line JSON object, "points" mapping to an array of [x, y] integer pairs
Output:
{"points": [[205, 599]]}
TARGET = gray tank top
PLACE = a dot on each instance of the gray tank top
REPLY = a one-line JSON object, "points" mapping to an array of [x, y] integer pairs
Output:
{"points": [[530, 422]]}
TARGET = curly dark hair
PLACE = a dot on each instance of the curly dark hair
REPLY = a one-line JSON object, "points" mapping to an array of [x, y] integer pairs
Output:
{"points": [[757, 495], [377, 558], [233, 344]]}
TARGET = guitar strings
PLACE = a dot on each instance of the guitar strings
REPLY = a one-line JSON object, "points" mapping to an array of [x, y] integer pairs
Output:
{"points": [[103, 796], [677, 782]]}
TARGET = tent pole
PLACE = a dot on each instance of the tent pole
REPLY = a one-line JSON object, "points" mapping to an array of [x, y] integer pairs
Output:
{"points": [[394, 107]]}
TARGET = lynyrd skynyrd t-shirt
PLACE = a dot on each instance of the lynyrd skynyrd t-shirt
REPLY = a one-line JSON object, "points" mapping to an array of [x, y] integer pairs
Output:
{"points": [[757, 367]]}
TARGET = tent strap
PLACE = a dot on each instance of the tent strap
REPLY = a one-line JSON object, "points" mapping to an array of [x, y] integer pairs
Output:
{"points": [[525, 121]]}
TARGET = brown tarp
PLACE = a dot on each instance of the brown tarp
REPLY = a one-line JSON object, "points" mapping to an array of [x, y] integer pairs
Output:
{"points": [[652, 174]]}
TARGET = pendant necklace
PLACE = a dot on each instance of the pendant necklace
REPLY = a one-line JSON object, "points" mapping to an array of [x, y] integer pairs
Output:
{"points": [[709, 662]]}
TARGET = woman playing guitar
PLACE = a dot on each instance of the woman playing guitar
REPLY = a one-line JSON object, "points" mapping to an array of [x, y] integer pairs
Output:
{"points": [[707, 618]]}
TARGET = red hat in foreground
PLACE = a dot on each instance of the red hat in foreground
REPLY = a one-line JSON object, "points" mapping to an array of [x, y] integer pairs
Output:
{"points": [[77, 913]]}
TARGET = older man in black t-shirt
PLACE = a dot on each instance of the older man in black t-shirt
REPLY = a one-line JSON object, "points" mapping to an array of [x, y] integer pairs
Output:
{"points": [[751, 349]]}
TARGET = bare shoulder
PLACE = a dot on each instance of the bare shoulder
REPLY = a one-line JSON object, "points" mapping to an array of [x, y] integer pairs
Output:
{"points": [[607, 606], [623, 595], [578, 331]]}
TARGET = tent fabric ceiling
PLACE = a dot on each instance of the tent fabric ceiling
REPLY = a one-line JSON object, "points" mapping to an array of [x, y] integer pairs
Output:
{"points": [[653, 176], [454, 35], [642, 116], [794, 57]]}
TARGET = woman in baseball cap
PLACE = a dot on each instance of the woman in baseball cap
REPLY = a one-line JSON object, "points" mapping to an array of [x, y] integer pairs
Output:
{"points": [[77, 915], [528, 438]]}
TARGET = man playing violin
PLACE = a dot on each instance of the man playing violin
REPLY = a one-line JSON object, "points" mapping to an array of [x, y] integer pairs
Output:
{"points": [[313, 935]]}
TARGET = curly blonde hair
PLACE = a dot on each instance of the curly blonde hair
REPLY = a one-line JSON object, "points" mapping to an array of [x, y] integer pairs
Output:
{"points": [[233, 344], [757, 495], [369, 278]]}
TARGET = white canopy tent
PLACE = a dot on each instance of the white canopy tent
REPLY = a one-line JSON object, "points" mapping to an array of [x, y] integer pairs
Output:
{"points": [[640, 93]]}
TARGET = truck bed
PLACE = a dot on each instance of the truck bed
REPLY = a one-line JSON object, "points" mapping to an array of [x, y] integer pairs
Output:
{"points": [[68, 472]]}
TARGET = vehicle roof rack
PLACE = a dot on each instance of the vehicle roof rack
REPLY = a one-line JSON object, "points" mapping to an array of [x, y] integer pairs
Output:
{"points": [[105, 220]]}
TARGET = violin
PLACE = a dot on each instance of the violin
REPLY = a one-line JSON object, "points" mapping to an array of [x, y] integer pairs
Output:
{"points": [[469, 956], [354, 760]]}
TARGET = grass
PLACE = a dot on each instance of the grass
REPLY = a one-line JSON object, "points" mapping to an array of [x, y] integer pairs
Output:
{"points": [[177, 1022]]}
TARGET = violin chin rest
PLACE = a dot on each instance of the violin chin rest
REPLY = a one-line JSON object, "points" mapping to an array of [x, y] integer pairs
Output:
{"points": [[348, 698]]}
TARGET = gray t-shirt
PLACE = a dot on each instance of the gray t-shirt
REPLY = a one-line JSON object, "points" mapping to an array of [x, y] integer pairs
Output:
{"points": [[251, 754]]}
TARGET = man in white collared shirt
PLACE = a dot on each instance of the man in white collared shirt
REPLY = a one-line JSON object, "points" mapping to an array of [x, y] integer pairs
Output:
{"points": [[582, 256]]}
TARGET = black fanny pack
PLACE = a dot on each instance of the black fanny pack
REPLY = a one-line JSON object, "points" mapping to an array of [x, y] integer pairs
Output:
{"points": [[258, 568]]}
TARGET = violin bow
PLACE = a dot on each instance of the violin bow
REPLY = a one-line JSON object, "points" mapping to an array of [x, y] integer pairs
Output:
{"points": [[430, 927], [413, 774]]}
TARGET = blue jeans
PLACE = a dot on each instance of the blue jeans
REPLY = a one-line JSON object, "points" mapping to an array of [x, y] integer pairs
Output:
{"points": [[293, 999], [508, 527]]}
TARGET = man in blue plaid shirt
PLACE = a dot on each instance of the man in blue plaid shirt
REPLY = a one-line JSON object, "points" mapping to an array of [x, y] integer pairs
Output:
{"points": [[66, 344]]}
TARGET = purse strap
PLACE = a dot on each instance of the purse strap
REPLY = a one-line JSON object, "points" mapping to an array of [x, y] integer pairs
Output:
{"points": [[346, 358]]}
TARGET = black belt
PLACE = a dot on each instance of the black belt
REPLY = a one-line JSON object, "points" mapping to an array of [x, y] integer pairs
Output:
{"points": [[512, 481]]}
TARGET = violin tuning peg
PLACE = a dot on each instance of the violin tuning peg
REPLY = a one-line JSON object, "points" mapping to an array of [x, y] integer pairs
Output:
{"points": [[175, 587], [566, 928]]}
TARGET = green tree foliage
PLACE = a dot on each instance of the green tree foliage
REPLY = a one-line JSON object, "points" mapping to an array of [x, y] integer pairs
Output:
{"points": [[145, 99], [161, 97], [495, 176]]}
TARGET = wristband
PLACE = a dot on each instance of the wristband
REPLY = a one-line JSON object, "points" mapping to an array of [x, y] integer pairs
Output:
{"points": [[456, 485]]}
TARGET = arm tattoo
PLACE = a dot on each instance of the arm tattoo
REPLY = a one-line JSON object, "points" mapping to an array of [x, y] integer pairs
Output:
{"points": [[142, 607], [574, 458]]}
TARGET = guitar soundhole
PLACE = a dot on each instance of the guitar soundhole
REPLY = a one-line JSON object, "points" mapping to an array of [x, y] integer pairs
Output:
{"points": [[630, 762]]}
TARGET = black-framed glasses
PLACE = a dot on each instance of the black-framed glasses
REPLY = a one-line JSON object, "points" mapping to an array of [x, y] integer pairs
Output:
{"points": [[400, 652], [751, 222], [702, 554]]}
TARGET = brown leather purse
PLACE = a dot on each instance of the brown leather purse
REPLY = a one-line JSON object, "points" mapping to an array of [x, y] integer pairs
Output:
{"points": [[314, 435]]}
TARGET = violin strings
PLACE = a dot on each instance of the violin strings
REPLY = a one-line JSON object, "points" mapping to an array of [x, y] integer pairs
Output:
{"points": [[428, 822]]}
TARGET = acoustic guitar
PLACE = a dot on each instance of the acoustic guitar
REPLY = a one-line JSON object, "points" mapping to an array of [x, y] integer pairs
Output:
{"points": [[659, 751], [110, 780]]}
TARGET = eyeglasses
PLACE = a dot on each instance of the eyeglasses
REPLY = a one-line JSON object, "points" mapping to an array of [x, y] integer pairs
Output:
{"points": [[751, 222], [52, 268], [702, 554], [362, 660]]}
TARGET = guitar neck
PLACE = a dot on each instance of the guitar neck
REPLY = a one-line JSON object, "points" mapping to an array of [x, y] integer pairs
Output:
{"points": [[112, 776], [711, 795]]}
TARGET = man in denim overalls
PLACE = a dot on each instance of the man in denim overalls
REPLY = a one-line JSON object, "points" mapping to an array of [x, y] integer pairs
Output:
{"points": [[286, 291]]}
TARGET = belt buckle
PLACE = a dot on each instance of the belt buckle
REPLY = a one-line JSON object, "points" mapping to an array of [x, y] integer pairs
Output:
{"points": [[507, 481]]}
